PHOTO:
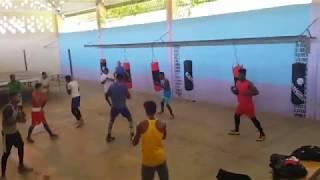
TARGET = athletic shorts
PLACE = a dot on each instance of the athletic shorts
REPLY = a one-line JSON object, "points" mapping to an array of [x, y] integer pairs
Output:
{"points": [[166, 97], [247, 110], [10, 140], [38, 118], [123, 111], [75, 102], [148, 173]]}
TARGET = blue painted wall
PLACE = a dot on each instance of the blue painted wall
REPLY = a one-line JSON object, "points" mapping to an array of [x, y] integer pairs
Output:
{"points": [[86, 60], [268, 65]]}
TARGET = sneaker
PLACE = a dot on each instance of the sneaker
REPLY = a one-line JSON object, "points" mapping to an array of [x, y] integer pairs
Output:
{"points": [[24, 169], [234, 133], [29, 140], [261, 138], [110, 139]]}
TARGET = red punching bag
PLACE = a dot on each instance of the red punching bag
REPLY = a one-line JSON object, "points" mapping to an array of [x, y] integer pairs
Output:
{"points": [[128, 80], [155, 76]]}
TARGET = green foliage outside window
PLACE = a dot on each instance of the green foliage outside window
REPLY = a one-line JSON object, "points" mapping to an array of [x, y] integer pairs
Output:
{"points": [[148, 6], [192, 2], [134, 9]]}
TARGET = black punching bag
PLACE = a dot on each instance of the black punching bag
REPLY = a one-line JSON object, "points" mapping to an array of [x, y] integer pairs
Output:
{"points": [[298, 83], [103, 64], [188, 75]]}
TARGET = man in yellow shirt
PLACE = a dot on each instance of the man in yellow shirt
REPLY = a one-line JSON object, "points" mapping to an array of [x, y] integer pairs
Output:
{"points": [[152, 132]]}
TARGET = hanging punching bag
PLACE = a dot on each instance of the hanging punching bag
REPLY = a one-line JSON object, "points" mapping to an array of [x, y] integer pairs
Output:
{"points": [[155, 76], [128, 80], [103, 64], [298, 83], [188, 75]]}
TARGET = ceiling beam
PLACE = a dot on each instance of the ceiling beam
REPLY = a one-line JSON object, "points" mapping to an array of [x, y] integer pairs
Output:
{"points": [[220, 42], [84, 11]]}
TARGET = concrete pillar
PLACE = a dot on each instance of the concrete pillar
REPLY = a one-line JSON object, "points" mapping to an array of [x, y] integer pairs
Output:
{"points": [[101, 20], [313, 86], [170, 6]]}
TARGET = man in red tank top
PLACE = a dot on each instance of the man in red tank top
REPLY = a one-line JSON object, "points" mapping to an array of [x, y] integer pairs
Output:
{"points": [[39, 99], [245, 90]]}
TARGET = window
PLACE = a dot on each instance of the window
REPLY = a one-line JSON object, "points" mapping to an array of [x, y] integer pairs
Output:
{"points": [[83, 22], [198, 8], [137, 13]]}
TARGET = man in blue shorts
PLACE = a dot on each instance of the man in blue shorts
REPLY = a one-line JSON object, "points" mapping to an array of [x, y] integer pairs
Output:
{"points": [[167, 95], [119, 94]]}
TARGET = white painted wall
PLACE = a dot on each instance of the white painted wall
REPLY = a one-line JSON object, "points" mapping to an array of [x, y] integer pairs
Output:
{"points": [[39, 57]]}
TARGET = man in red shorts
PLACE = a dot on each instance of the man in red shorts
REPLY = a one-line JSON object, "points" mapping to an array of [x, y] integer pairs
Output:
{"points": [[39, 99], [245, 90]]}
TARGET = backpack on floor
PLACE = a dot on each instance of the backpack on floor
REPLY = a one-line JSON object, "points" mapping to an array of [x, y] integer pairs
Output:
{"points": [[310, 153], [286, 167], [225, 175]]}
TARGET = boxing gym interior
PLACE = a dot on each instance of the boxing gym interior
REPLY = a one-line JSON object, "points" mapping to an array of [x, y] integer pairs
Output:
{"points": [[190, 89]]}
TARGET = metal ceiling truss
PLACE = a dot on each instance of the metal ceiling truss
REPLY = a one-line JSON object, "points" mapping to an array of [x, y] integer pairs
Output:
{"points": [[218, 42]]}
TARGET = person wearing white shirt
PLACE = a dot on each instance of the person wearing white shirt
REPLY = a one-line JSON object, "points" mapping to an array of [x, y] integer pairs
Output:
{"points": [[106, 79], [45, 82], [73, 89]]}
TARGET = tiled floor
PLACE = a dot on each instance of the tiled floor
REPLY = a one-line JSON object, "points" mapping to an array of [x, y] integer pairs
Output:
{"points": [[197, 144]]}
